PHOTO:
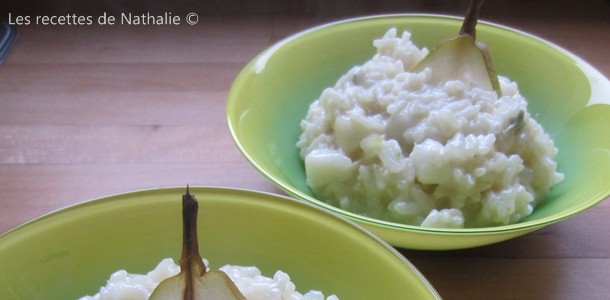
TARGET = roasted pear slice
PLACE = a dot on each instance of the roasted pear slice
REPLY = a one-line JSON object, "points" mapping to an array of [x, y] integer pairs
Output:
{"points": [[194, 282], [462, 58]]}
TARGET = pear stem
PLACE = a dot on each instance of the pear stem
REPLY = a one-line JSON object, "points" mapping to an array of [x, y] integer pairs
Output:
{"points": [[190, 244], [470, 20]]}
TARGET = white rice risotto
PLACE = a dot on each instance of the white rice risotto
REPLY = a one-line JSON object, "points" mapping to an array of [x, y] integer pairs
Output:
{"points": [[254, 286], [388, 144]]}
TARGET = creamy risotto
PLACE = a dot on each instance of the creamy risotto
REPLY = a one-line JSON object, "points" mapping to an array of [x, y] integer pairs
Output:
{"points": [[388, 144], [249, 280]]}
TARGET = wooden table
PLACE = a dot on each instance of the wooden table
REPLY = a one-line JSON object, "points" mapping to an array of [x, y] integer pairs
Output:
{"points": [[88, 111]]}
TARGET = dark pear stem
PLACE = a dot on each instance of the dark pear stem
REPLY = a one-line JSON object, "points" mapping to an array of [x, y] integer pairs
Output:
{"points": [[470, 20], [190, 244]]}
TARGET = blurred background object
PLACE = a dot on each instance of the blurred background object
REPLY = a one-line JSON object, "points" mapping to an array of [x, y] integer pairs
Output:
{"points": [[321, 8], [8, 35]]}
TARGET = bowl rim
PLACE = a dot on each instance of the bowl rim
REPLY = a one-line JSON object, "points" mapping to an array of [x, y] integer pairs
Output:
{"points": [[600, 86]]}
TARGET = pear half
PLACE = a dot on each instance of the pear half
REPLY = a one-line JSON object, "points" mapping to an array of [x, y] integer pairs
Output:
{"points": [[194, 282], [462, 58]]}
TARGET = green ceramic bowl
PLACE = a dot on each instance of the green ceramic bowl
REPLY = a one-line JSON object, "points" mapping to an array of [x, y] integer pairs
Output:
{"points": [[71, 252], [566, 95]]}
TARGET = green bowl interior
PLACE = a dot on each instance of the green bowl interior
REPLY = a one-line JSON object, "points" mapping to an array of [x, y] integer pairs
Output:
{"points": [[272, 94], [72, 252]]}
